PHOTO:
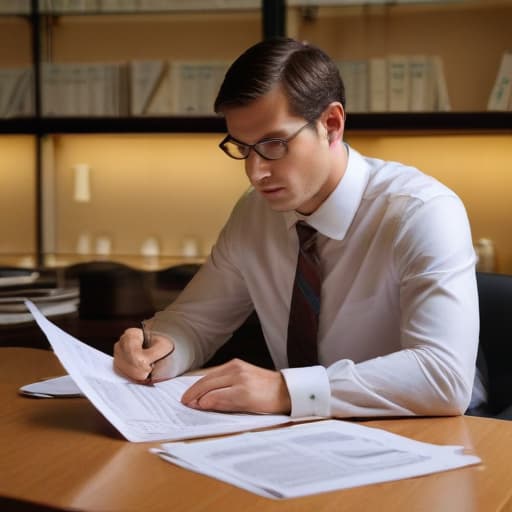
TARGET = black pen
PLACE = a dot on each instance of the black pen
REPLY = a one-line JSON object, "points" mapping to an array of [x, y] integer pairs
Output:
{"points": [[146, 338], [146, 343]]}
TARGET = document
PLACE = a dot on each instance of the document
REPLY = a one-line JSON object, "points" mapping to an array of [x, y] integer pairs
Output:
{"points": [[139, 412], [63, 387], [312, 458]]}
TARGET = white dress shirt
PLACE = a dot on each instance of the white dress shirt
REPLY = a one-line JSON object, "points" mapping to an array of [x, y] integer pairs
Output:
{"points": [[398, 327]]}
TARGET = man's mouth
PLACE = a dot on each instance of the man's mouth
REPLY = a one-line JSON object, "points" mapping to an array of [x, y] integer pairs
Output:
{"points": [[272, 191]]}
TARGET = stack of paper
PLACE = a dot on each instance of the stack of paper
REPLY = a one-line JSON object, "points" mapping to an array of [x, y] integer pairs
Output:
{"points": [[313, 458], [52, 301]]}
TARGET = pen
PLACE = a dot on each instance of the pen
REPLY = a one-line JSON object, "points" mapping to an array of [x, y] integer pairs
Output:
{"points": [[146, 343], [146, 338]]}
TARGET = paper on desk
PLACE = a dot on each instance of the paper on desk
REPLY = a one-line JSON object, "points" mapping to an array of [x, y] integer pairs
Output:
{"points": [[140, 413], [313, 458], [63, 386]]}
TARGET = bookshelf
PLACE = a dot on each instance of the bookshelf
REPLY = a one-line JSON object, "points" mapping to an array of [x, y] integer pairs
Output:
{"points": [[63, 36], [440, 122]]}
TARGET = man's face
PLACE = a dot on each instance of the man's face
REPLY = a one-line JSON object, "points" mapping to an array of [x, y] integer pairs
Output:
{"points": [[306, 175]]}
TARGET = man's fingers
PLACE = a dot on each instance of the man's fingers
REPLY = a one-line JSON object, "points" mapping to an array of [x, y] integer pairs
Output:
{"points": [[225, 399], [203, 386], [239, 386], [138, 371], [135, 362]]}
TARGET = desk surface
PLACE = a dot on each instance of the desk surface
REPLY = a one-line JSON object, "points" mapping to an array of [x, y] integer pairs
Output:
{"points": [[63, 454]]}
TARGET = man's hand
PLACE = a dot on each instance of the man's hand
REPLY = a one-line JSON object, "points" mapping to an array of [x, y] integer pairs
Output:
{"points": [[238, 386], [137, 363]]}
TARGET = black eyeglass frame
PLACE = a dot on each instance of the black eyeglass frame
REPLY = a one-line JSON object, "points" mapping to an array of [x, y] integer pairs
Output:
{"points": [[248, 147]]}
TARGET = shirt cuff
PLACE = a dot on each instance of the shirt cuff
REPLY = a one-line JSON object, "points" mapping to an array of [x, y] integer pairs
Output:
{"points": [[310, 391], [179, 360]]}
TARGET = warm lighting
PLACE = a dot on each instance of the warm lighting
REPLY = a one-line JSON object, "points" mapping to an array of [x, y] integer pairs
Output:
{"points": [[82, 192]]}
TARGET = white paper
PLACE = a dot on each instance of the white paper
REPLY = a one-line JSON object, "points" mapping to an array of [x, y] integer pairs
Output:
{"points": [[313, 458], [140, 412], [63, 386]]}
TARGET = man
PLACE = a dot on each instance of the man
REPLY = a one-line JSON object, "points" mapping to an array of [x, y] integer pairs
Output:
{"points": [[395, 330]]}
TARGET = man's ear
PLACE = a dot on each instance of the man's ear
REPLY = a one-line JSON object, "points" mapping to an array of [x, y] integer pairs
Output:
{"points": [[333, 120]]}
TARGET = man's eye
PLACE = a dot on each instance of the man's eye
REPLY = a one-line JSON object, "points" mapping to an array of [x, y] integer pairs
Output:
{"points": [[273, 144], [273, 148]]}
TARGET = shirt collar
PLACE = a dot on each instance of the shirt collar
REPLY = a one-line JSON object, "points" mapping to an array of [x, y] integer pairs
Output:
{"points": [[335, 215]]}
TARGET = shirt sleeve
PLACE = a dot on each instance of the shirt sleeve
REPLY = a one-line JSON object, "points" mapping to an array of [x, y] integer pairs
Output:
{"points": [[433, 373], [207, 312]]}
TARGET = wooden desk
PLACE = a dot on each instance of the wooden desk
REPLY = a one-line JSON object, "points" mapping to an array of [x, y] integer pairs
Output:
{"points": [[62, 454]]}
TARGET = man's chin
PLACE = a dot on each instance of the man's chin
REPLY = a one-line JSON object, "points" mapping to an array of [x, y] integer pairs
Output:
{"points": [[280, 207], [282, 204]]}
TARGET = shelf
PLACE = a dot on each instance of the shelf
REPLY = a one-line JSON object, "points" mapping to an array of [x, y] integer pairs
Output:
{"points": [[18, 126], [173, 124], [219, 16], [444, 122], [60, 125], [337, 8], [432, 121]]}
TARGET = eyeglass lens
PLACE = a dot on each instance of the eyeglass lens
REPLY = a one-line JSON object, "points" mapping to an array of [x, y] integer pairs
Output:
{"points": [[269, 149]]}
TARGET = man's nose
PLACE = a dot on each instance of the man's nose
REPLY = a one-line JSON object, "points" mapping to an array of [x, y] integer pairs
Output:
{"points": [[257, 167]]}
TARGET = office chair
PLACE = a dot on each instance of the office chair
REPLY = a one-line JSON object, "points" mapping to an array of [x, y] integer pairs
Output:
{"points": [[176, 277], [495, 345], [110, 289]]}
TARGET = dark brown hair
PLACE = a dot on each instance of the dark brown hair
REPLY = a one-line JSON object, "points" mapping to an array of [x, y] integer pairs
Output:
{"points": [[309, 77]]}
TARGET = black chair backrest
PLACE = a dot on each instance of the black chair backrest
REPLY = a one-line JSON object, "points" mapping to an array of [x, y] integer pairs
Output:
{"points": [[176, 277], [110, 289], [495, 299]]}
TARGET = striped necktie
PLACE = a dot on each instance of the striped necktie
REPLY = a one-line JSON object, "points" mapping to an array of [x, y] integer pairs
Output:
{"points": [[305, 304]]}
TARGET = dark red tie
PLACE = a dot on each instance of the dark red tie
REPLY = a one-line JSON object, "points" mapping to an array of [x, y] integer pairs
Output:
{"points": [[305, 304]]}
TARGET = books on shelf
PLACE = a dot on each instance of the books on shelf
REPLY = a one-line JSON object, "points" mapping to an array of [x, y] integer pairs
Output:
{"points": [[324, 3], [422, 76], [442, 98], [197, 5], [195, 85], [14, 6], [377, 85], [16, 92], [145, 78], [127, 6], [160, 97], [177, 87], [84, 89], [396, 83], [138, 88], [355, 79], [501, 93]]}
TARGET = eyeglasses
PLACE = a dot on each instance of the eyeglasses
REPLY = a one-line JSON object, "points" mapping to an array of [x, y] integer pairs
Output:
{"points": [[269, 149]]}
